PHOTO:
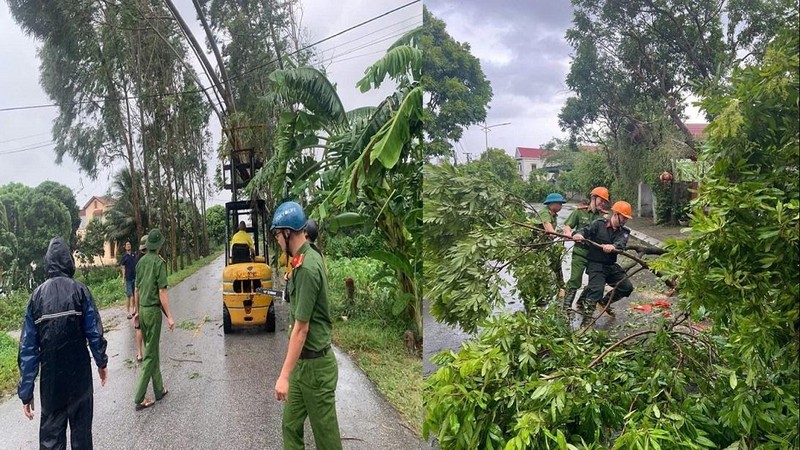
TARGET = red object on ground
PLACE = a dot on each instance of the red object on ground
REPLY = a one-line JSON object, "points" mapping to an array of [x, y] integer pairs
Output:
{"points": [[666, 314], [661, 304], [646, 308], [665, 177]]}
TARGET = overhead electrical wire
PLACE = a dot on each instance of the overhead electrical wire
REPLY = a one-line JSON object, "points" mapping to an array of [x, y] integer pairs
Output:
{"points": [[234, 76]]}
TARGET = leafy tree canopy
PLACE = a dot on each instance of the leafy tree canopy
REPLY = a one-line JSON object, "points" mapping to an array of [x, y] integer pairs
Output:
{"points": [[458, 91]]}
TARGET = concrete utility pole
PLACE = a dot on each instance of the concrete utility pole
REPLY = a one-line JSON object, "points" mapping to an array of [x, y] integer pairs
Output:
{"points": [[486, 130]]}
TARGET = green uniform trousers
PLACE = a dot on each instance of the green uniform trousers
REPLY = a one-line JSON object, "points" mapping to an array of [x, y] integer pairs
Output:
{"points": [[578, 266], [150, 321], [555, 254], [312, 393]]}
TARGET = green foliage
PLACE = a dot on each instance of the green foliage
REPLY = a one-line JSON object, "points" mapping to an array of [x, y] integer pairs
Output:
{"points": [[459, 91], [372, 166], [371, 300], [591, 170], [372, 335], [9, 373], [473, 237], [12, 309], [528, 381], [746, 238], [34, 217], [92, 244], [215, 224], [354, 245]]}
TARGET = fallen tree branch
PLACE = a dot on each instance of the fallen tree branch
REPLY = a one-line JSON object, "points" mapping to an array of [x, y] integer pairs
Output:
{"points": [[617, 344]]}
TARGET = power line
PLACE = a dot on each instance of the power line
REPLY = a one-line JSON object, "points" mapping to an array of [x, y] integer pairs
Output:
{"points": [[363, 46], [235, 76], [24, 137], [405, 27], [20, 150]]}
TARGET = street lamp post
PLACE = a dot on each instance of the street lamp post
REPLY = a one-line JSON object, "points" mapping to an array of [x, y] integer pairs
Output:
{"points": [[486, 129]]}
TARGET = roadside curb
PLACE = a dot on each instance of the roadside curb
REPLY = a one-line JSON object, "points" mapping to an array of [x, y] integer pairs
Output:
{"points": [[643, 237]]}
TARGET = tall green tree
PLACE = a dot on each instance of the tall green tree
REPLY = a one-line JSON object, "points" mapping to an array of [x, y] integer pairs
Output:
{"points": [[458, 91], [637, 63], [34, 217]]}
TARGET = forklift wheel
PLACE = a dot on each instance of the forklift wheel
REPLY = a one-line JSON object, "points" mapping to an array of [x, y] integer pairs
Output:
{"points": [[226, 320], [270, 325]]}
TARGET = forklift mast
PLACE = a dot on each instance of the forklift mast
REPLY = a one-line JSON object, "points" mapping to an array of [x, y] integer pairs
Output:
{"points": [[237, 170]]}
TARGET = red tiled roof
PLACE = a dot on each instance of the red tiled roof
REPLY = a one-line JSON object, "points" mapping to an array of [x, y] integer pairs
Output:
{"points": [[526, 152], [697, 129], [590, 148]]}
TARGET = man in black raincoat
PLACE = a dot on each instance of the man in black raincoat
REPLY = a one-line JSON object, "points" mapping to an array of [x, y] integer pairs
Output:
{"points": [[60, 319]]}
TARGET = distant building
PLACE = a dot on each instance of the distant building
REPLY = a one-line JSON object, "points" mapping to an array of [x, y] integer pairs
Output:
{"points": [[530, 159], [97, 207]]}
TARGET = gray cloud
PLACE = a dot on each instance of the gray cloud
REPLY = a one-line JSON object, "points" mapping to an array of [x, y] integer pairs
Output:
{"points": [[525, 57]]}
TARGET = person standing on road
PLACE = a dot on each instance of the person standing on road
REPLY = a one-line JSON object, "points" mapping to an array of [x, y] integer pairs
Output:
{"points": [[128, 265], [579, 218], [136, 326], [602, 265], [60, 319], [151, 298], [307, 382], [554, 202]]}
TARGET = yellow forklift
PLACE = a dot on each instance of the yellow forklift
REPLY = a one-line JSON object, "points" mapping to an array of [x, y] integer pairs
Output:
{"points": [[247, 293], [247, 282]]}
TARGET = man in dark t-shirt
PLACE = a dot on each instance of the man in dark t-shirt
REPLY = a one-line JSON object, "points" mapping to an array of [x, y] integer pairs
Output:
{"points": [[128, 264]]}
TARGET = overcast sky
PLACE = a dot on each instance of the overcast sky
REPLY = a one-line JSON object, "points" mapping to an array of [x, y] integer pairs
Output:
{"points": [[523, 53], [26, 151]]}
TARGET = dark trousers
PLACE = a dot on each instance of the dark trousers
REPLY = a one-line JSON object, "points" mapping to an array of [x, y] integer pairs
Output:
{"points": [[78, 414], [602, 274]]}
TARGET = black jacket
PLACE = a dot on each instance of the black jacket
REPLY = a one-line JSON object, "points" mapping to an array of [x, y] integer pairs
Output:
{"points": [[61, 317], [601, 232]]}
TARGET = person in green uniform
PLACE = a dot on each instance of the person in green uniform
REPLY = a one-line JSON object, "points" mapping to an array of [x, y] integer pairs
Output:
{"points": [[151, 298], [611, 235], [307, 382], [549, 217], [582, 216]]}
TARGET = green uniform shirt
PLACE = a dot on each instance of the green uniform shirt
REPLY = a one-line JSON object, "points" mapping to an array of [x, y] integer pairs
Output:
{"points": [[308, 296], [544, 216], [579, 218], [151, 275]]}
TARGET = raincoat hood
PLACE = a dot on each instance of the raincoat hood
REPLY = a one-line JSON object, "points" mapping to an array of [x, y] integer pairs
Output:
{"points": [[58, 261]]}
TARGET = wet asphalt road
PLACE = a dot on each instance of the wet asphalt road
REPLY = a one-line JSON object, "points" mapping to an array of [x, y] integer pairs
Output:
{"points": [[221, 387]]}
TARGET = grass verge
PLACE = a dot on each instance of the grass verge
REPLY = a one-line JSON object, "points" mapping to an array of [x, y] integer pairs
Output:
{"points": [[8, 363], [379, 352]]}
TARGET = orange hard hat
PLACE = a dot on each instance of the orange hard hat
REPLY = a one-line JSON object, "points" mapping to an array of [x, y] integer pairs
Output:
{"points": [[601, 192], [623, 208]]}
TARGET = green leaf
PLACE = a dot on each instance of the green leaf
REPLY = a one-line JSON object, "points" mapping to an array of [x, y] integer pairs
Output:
{"points": [[733, 380], [344, 220]]}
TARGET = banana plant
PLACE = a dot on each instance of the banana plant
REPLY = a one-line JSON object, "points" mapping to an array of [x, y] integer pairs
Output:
{"points": [[370, 171]]}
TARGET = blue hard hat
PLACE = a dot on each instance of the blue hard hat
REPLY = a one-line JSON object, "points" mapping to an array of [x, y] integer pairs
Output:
{"points": [[554, 198], [289, 215]]}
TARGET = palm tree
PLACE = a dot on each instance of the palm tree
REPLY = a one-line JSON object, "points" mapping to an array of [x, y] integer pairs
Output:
{"points": [[121, 219]]}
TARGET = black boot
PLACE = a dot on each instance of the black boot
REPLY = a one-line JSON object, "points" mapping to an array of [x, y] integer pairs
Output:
{"points": [[607, 300], [568, 298]]}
